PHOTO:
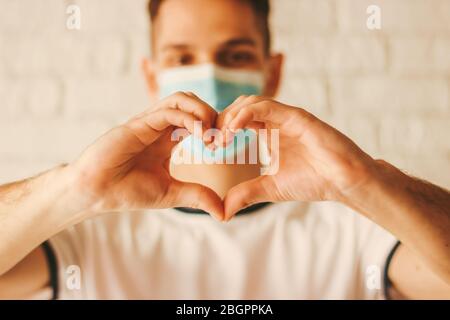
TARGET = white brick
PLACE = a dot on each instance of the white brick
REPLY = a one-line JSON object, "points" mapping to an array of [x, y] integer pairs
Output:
{"points": [[308, 93], [37, 55], [419, 55], [32, 16], [335, 55], [139, 48], [398, 16], [64, 54], [113, 98], [302, 16], [357, 55], [112, 16], [12, 99], [44, 98], [38, 97], [415, 135], [54, 140], [390, 95], [362, 130], [2, 59], [108, 56]]}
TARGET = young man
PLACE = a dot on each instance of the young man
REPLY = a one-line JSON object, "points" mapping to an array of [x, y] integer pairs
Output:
{"points": [[96, 228]]}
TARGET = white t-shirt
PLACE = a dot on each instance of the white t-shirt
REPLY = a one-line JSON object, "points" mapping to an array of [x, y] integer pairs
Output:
{"points": [[289, 250]]}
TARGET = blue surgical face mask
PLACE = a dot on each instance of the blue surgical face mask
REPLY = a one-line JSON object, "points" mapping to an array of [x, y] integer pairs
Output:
{"points": [[217, 86]]}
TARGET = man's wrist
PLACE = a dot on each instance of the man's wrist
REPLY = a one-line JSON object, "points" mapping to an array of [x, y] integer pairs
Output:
{"points": [[55, 194], [381, 184], [74, 200]]}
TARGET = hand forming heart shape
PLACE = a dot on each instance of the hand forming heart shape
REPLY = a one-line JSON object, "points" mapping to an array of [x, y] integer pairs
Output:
{"points": [[128, 167]]}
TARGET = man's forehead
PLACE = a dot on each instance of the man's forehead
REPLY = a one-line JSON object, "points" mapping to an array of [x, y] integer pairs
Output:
{"points": [[219, 24]]}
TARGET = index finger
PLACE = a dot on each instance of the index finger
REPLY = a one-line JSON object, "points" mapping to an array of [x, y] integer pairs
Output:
{"points": [[190, 103], [150, 126], [291, 120]]}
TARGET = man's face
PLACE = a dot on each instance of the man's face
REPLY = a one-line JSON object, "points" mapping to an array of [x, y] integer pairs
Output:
{"points": [[224, 33], [221, 32]]}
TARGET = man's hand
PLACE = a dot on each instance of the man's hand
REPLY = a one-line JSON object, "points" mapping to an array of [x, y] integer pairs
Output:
{"points": [[127, 168], [316, 162]]}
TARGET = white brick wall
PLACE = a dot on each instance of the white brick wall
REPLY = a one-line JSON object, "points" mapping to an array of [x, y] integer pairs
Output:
{"points": [[387, 89]]}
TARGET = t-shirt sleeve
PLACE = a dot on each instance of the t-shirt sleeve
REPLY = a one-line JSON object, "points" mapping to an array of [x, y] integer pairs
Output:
{"points": [[375, 247], [68, 248]]}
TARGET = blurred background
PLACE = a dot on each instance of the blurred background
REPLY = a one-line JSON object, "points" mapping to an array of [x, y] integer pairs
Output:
{"points": [[387, 89]]}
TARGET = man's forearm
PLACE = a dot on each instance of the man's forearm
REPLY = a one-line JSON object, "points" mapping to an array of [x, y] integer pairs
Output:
{"points": [[417, 212], [33, 210]]}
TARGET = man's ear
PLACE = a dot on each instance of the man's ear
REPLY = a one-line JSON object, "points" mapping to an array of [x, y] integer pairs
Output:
{"points": [[273, 74], [150, 76]]}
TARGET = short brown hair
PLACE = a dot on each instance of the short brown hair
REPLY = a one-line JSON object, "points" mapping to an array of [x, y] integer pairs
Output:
{"points": [[260, 7]]}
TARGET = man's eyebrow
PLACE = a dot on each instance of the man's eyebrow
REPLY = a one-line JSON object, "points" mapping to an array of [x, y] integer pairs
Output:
{"points": [[239, 41], [175, 46], [229, 43]]}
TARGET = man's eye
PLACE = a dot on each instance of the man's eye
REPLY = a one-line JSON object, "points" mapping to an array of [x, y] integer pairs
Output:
{"points": [[182, 60], [237, 59]]}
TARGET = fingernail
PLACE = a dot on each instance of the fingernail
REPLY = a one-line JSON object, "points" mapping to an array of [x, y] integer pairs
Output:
{"points": [[218, 141], [207, 138], [227, 219], [217, 217]]}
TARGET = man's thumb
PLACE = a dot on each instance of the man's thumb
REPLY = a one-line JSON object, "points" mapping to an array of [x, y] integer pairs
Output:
{"points": [[196, 196], [247, 193]]}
